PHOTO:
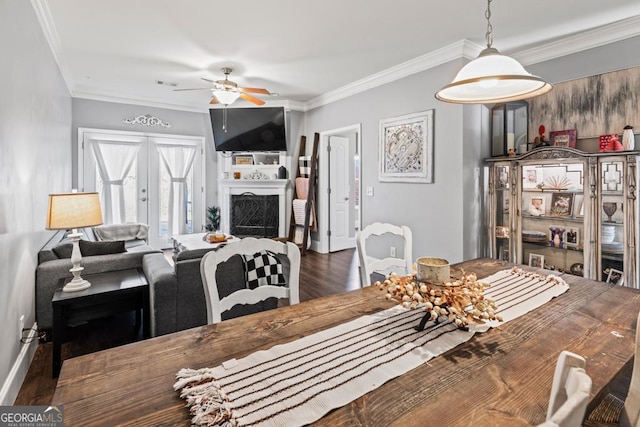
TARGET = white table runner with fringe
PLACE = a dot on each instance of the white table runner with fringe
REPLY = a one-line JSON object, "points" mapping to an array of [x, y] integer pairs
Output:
{"points": [[299, 382]]}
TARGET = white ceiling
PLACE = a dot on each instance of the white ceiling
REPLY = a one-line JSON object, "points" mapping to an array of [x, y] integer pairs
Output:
{"points": [[309, 53]]}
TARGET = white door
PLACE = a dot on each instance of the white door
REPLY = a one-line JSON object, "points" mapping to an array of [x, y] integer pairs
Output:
{"points": [[151, 179], [339, 194]]}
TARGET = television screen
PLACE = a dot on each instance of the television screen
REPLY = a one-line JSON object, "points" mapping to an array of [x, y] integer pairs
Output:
{"points": [[249, 129]]}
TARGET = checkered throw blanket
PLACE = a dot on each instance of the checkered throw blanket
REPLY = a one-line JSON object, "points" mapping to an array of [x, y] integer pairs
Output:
{"points": [[304, 162], [263, 268], [297, 383]]}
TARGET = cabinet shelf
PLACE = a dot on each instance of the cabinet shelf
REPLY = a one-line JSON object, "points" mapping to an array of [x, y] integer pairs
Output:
{"points": [[550, 218]]}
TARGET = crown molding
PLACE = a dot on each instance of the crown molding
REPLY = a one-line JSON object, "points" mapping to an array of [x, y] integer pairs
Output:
{"points": [[457, 50], [41, 8], [610, 33], [117, 98]]}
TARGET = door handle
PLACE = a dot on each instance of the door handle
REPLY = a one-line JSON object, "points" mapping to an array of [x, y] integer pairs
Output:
{"points": [[144, 199], [346, 198]]}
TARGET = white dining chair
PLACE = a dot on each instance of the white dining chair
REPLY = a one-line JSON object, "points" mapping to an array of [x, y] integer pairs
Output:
{"points": [[260, 258], [570, 392], [615, 411], [384, 266]]}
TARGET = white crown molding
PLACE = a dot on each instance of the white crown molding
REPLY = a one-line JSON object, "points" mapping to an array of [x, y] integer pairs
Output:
{"points": [[457, 50], [589, 39], [41, 8], [114, 97]]}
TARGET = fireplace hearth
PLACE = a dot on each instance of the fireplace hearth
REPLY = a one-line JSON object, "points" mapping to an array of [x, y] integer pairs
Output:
{"points": [[254, 215]]}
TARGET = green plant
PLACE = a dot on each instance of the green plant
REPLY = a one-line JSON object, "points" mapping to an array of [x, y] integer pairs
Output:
{"points": [[213, 218]]}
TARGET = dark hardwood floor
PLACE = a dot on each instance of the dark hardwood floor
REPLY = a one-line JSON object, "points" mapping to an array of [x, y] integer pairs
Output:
{"points": [[320, 275]]}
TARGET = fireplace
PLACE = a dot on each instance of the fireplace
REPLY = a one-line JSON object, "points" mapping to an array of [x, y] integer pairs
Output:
{"points": [[254, 215]]}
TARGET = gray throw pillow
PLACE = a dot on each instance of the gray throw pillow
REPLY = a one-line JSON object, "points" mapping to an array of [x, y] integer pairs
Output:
{"points": [[63, 251], [88, 248]]}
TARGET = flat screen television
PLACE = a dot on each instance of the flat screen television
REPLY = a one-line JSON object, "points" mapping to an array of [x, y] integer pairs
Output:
{"points": [[249, 129]]}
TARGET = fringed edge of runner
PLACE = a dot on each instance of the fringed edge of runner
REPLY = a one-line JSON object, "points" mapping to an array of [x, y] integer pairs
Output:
{"points": [[205, 399]]}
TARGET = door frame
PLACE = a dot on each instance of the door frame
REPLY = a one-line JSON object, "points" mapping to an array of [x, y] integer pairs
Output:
{"points": [[321, 245], [198, 215]]}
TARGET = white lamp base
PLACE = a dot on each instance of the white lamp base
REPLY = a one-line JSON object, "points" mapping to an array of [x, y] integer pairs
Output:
{"points": [[77, 283]]}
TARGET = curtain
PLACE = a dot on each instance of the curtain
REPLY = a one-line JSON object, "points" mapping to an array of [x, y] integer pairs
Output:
{"points": [[178, 160], [114, 160]]}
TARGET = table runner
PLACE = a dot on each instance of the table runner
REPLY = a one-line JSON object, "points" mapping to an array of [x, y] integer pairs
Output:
{"points": [[299, 382]]}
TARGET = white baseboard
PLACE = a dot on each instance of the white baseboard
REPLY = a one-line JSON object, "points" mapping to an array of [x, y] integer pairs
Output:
{"points": [[18, 372]]}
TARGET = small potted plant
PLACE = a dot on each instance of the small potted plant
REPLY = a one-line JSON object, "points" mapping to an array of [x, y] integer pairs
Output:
{"points": [[213, 218]]}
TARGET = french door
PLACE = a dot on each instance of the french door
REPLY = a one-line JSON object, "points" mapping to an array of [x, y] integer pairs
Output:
{"points": [[148, 178]]}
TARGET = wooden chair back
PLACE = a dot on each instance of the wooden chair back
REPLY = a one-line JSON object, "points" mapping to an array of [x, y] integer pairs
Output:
{"points": [[369, 264]]}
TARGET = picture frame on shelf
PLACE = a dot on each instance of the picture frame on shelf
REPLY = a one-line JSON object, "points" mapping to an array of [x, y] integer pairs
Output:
{"points": [[615, 277], [244, 160], [536, 206], [557, 236], [572, 237], [561, 204], [563, 138], [502, 232], [536, 260], [406, 148], [532, 177]]}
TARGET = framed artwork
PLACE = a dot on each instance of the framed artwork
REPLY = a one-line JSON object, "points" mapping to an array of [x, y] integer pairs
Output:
{"points": [[536, 206], [561, 204], [563, 138], [406, 148], [531, 176], [572, 237], [536, 260], [615, 277]]}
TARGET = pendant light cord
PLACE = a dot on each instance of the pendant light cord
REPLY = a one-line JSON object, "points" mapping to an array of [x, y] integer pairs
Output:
{"points": [[487, 14]]}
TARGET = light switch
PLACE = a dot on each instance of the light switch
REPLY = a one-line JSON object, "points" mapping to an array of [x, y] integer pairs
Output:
{"points": [[369, 191]]}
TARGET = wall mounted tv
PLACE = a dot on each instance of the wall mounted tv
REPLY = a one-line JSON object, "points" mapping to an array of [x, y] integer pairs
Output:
{"points": [[249, 129]]}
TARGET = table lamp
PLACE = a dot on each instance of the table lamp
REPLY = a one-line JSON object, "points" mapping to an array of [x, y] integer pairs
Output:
{"points": [[73, 211]]}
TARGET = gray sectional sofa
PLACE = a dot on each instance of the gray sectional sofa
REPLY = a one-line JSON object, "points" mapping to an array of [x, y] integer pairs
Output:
{"points": [[54, 261], [177, 293]]}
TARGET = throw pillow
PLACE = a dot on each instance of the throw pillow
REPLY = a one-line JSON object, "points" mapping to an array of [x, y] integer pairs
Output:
{"points": [[63, 250], [88, 248], [263, 268]]}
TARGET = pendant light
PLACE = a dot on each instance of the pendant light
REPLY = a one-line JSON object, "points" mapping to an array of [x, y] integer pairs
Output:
{"points": [[492, 78]]}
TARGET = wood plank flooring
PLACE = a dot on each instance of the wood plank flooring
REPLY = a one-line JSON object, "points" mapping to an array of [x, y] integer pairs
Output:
{"points": [[320, 275]]}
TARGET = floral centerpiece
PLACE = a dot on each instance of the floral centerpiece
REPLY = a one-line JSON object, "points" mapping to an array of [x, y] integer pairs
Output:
{"points": [[461, 301]]}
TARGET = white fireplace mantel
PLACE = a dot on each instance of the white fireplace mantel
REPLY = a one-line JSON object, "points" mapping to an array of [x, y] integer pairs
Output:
{"points": [[260, 187]]}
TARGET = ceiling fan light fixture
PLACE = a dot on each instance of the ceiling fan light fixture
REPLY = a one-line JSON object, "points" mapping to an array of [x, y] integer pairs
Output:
{"points": [[492, 77], [226, 97]]}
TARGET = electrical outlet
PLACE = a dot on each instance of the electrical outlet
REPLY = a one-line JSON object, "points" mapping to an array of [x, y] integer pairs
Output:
{"points": [[21, 327], [392, 251], [369, 191]]}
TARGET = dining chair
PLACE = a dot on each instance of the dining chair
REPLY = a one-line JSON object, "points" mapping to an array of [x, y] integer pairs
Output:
{"points": [[613, 411], [383, 266], [569, 392], [249, 276]]}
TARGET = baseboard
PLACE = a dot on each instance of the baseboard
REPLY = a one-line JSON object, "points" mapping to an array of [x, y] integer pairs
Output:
{"points": [[18, 372]]}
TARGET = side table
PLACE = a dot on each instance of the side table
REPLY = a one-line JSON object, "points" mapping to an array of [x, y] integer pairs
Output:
{"points": [[110, 293]]}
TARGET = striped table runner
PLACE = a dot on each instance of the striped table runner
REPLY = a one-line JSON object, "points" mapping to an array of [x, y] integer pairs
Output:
{"points": [[299, 382]]}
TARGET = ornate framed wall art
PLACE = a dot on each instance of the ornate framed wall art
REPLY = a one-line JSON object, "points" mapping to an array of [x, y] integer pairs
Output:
{"points": [[406, 148]]}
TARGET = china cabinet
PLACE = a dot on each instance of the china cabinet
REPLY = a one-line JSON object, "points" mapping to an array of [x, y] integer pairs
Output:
{"points": [[568, 210]]}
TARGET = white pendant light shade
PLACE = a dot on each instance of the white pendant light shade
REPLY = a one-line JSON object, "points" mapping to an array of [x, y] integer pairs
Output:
{"points": [[226, 97], [491, 78]]}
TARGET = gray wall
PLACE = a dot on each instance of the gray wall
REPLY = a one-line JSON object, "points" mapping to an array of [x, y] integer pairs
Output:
{"points": [[35, 160], [434, 212]]}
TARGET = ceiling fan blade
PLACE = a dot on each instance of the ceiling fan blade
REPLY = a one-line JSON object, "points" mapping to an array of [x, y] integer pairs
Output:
{"points": [[193, 88], [255, 90], [251, 99], [214, 100]]}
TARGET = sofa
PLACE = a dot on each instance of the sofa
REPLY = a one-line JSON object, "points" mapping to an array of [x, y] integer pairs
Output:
{"points": [[104, 248], [176, 292]]}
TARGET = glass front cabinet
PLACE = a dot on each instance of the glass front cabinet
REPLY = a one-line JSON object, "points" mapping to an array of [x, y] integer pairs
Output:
{"points": [[567, 210]]}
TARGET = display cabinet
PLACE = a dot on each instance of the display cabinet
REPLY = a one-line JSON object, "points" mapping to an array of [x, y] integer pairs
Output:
{"points": [[568, 211]]}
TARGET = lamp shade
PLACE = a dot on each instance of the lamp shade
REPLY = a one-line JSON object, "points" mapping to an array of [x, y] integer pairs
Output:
{"points": [[226, 96], [492, 78], [73, 210]]}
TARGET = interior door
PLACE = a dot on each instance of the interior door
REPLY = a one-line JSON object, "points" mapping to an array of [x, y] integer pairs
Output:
{"points": [[339, 194]]}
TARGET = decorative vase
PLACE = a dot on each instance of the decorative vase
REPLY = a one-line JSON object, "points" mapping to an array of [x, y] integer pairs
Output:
{"points": [[628, 139]]}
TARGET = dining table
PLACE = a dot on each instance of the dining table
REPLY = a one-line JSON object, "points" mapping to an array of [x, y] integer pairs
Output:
{"points": [[501, 377]]}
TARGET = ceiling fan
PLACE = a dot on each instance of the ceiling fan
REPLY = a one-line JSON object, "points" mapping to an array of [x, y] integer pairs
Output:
{"points": [[226, 91]]}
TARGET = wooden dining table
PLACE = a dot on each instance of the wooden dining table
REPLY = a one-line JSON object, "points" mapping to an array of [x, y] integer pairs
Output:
{"points": [[501, 377]]}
